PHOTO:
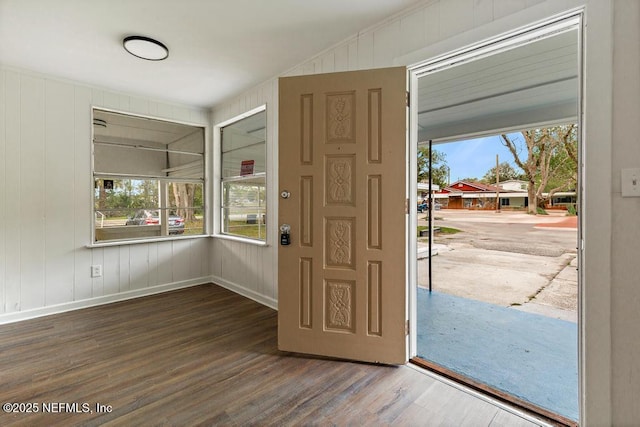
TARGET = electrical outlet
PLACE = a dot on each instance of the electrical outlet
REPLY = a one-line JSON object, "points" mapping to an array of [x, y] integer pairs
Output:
{"points": [[96, 270], [630, 182]]}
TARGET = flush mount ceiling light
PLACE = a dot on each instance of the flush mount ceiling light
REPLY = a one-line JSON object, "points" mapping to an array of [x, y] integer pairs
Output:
{"points": [[145, 48]]}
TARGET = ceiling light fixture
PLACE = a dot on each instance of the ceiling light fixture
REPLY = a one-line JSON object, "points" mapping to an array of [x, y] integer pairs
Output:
{"points": [[145, 48]]}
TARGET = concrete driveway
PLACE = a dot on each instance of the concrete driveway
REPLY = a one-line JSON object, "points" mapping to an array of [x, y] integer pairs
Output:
{"points": [[511, 259]]}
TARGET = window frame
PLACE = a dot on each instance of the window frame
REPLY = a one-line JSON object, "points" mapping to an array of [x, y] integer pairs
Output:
{"points": [[159, 180], [219, 181]]}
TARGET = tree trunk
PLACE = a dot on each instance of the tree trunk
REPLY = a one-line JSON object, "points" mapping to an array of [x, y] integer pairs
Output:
{"points": [[533, 198], [176, 197], [183, 195], [102, 200], [190, 189]]}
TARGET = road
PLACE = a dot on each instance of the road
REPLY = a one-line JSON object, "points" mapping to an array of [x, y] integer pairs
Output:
{"points": [[509, 258]]}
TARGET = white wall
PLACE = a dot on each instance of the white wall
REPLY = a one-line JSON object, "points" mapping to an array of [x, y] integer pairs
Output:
{"points": [[625, 237], [46, 197], [611, 289]]}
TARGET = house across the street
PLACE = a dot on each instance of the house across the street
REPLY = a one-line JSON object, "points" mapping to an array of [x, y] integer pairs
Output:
{"points": [[512, 195]]}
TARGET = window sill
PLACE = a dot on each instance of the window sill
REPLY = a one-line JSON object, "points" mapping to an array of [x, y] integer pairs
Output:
{"points": [[241, 239], [108, 243]]}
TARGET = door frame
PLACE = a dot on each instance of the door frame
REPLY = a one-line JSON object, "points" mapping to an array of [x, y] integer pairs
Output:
{"points": [[505, 41]]}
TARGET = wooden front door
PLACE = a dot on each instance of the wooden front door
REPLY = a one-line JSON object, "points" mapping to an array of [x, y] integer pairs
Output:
{"points": [[343, 163]]}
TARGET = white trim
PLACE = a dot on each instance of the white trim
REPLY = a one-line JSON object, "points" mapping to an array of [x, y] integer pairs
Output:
{"points": [[240, 239], [245, 292], [216, 178], [239, 117], [106, 299], [513, 39], [412, 239], [106, 243], [206, 191], [581, 206]]}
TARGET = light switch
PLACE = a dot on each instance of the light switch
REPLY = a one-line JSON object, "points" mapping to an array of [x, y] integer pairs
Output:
{"points": [[630, 182]]}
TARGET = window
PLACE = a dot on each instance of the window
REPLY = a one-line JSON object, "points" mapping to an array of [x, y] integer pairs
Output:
{"points": [[243, 177], [148, 178]]}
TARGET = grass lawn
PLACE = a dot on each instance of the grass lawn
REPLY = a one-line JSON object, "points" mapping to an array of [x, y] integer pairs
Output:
{"points": [[440, 230], [253, 231], [194, 227]]}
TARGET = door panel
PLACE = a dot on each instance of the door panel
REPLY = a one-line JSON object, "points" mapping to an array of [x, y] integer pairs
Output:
{"points": [[342, 158]]}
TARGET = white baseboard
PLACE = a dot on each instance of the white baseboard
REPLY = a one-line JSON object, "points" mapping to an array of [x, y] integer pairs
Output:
{"points": [[259, 298], [92, 302]]}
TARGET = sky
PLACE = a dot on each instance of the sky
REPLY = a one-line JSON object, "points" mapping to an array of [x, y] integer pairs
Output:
{"points": [[473, 158]]}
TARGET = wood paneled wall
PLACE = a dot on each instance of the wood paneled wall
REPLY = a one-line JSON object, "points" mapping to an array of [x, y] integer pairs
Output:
{"points": [[46, 197]]}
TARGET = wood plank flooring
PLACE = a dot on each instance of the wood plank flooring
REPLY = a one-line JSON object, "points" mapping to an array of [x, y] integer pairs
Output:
{"points": [[206, 356]]}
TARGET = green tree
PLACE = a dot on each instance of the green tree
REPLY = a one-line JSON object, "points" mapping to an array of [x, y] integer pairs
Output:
{"points": [[440, 169], [507, 172], [549, 162]]}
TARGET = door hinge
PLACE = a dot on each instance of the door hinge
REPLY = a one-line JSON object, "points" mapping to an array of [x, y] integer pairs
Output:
{"points": [[406, 328], [408, 99], [406, 206]]}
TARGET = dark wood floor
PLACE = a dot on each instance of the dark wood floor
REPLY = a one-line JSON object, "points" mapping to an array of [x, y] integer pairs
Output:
{"points": [[206, 356]]}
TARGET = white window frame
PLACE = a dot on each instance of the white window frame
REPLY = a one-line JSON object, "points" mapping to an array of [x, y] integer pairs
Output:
{"points": [[162, 183], [218, 180]]}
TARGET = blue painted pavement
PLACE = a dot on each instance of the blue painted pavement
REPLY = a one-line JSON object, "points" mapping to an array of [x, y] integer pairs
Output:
{"points": [[529, 356]]}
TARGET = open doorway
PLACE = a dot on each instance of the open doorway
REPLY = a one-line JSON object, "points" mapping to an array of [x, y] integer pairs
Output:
{"points": [[497, 275]]}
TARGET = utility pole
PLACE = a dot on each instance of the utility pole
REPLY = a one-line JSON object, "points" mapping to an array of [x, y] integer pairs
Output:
{"points": [[497, 183], [430, 211]]}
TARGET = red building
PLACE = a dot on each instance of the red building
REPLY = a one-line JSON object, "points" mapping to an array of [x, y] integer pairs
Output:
{"points": [[468, 195]]}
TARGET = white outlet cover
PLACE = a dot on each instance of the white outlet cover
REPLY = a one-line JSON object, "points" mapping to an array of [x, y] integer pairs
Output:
{"points": [[96, 271], [630, 182]]}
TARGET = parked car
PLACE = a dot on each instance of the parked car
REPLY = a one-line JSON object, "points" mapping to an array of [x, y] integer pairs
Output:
{"points": [[423, 207], [152, 217]]}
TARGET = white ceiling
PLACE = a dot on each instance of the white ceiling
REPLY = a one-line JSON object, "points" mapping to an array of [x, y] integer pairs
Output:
{"points": [[218, 48]]}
